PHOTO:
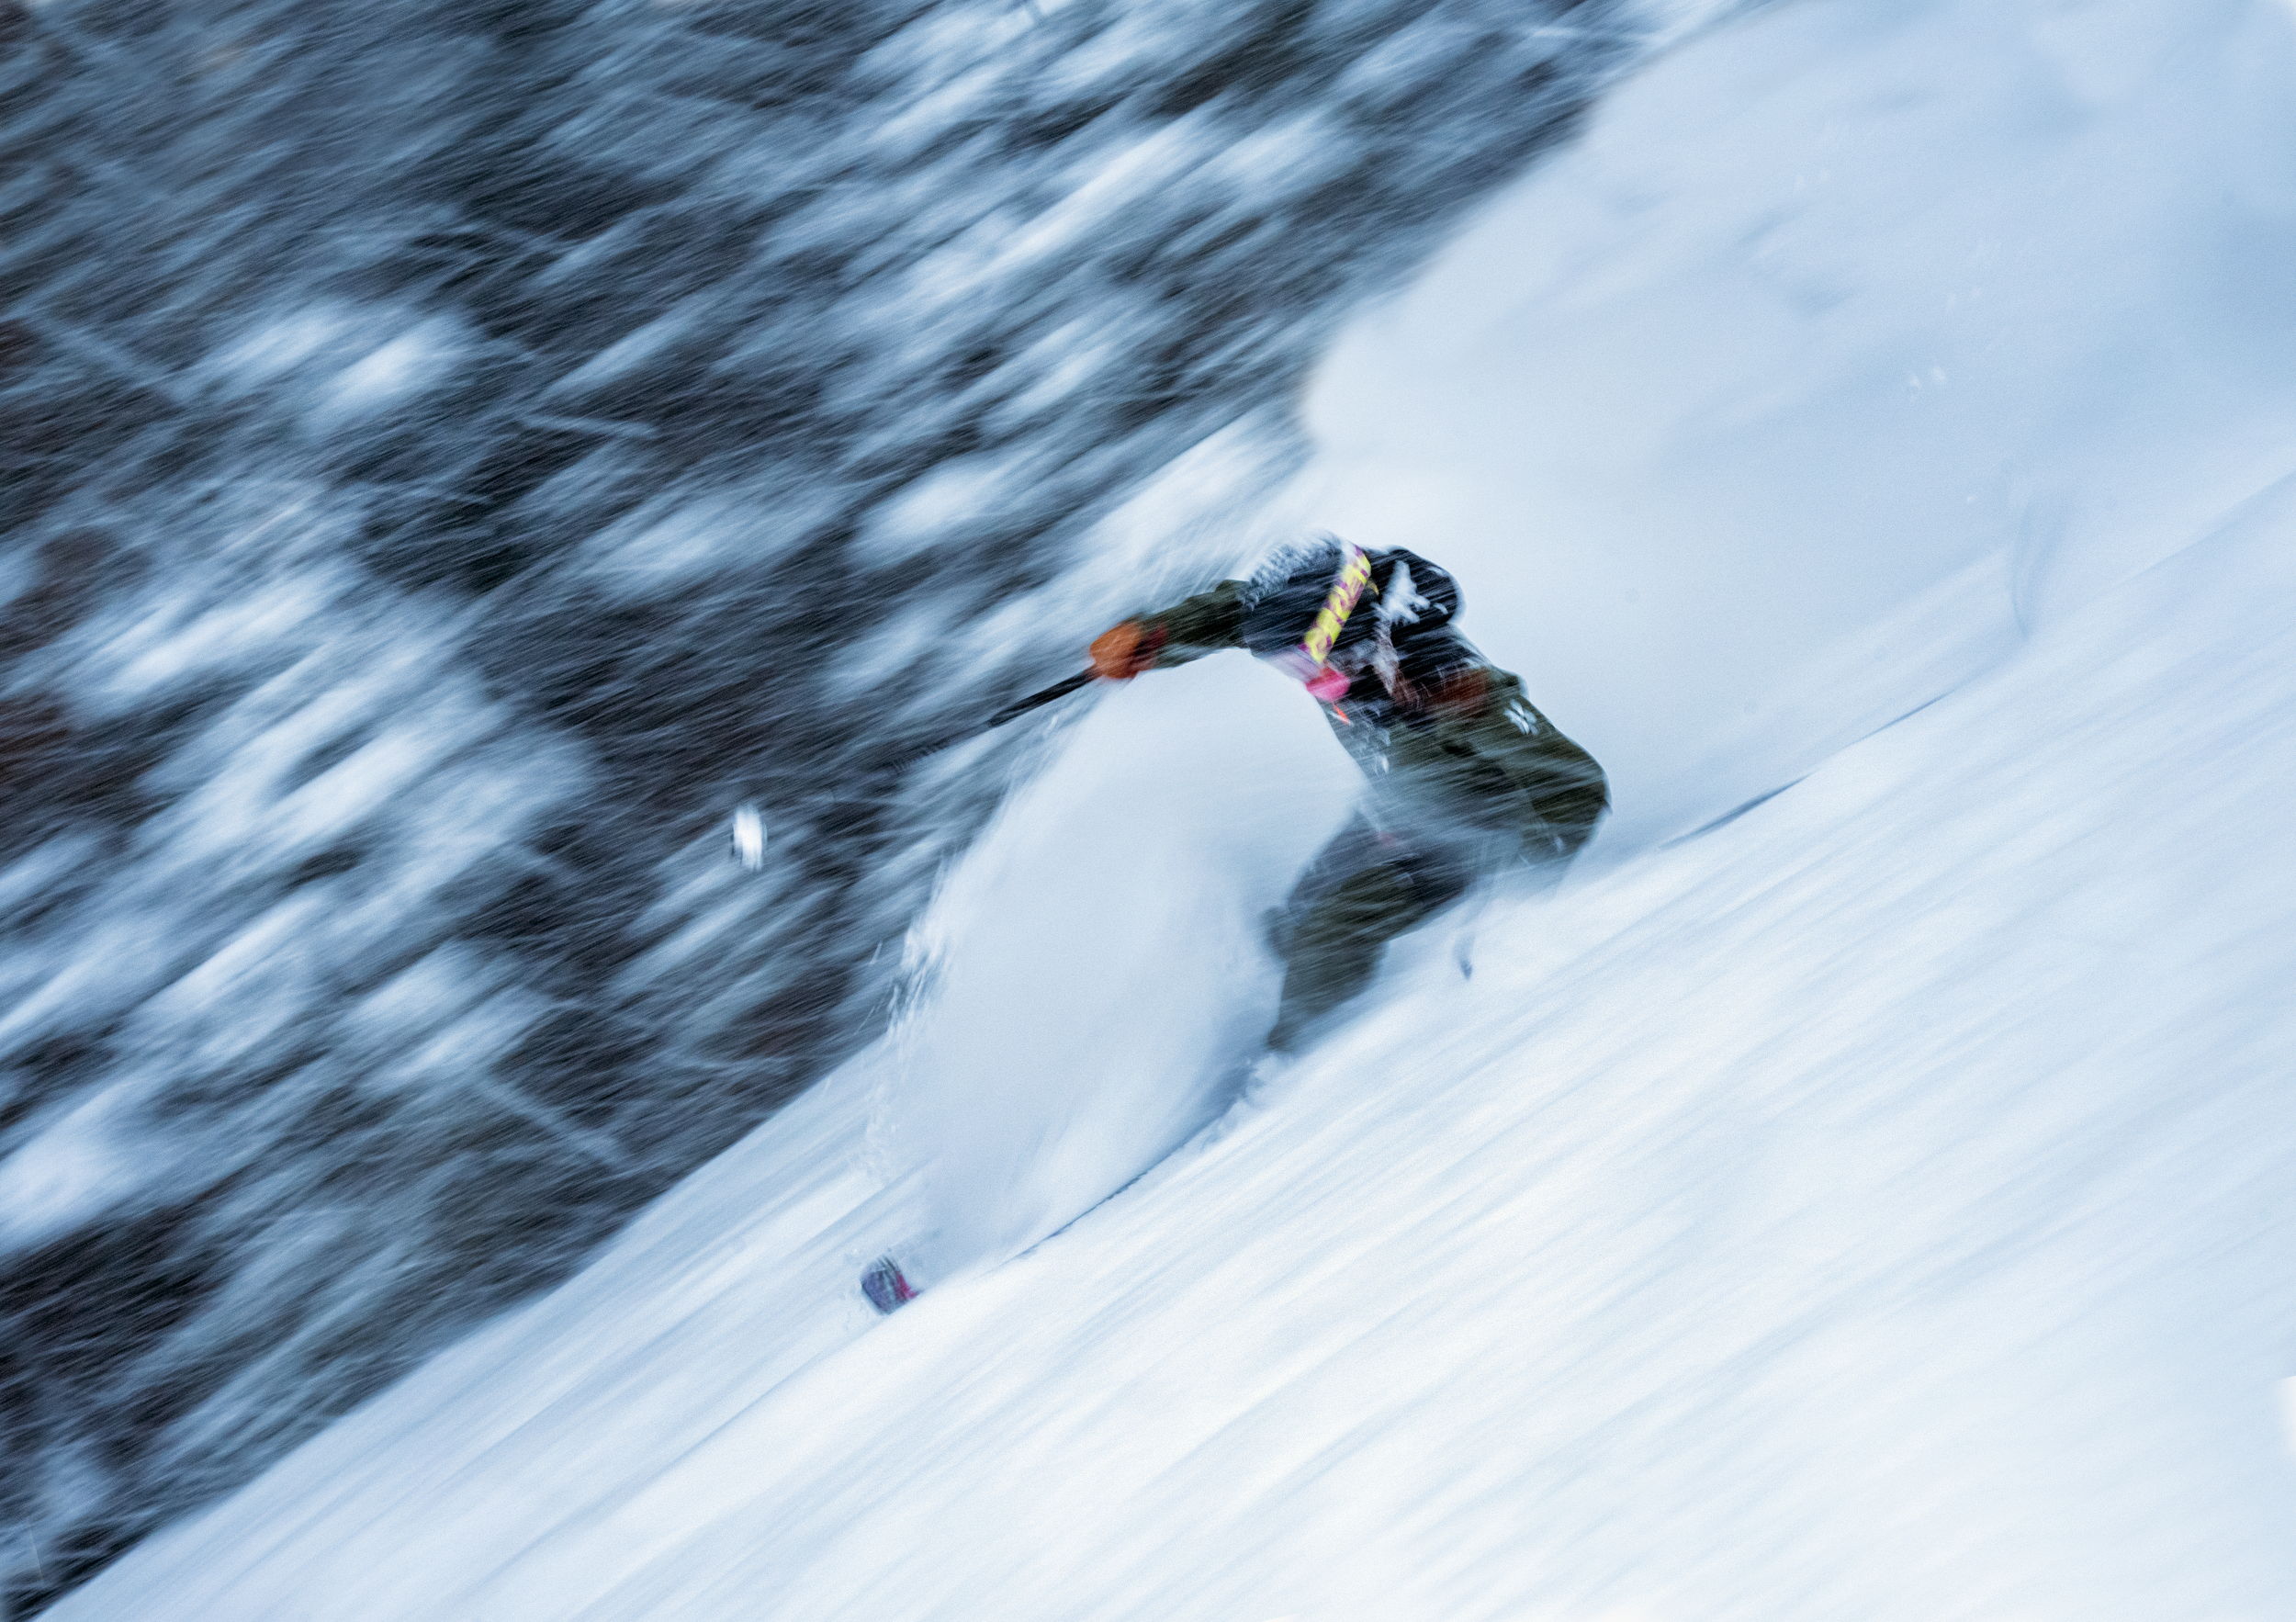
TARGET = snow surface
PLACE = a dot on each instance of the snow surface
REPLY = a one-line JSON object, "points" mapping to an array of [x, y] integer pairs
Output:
{"points": [[1876, 1207], [1863, 336]]}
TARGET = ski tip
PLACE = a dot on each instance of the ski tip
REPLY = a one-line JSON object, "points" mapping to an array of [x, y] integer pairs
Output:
{"points": [[748, 835], [886, 1286]]}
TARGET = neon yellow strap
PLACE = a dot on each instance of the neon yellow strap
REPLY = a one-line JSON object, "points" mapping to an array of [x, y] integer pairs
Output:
{"points": [[1345, 593]]}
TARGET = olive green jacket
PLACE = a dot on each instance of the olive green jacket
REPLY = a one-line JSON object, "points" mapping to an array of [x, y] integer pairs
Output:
{"points": [[1478, 753]]}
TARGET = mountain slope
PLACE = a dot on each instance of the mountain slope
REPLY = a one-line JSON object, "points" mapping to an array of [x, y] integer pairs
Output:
{"points": [[1878, 1208], [1874, 1207]]}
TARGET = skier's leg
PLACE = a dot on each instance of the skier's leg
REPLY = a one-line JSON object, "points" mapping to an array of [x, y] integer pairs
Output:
{"points": [[1354, 848], [1339, 923]]}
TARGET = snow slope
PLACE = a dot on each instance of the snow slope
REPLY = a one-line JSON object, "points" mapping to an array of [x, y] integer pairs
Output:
{"points": [[1876, 1207], [1846, 346]]}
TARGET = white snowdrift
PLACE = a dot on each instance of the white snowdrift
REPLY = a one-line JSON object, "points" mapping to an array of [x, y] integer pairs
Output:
{"points": [[1096, 969], [1876, 1207]]}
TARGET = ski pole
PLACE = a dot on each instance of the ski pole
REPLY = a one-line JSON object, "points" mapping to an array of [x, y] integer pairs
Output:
{"points": [[749, 824], [1037, 700]]}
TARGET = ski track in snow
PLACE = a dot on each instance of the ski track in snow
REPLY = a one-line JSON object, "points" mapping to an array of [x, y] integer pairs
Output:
{"points": [[1876, 1207]]}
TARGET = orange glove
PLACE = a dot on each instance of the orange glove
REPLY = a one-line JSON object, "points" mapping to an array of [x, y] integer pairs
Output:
{"points": [[1123, 651]]}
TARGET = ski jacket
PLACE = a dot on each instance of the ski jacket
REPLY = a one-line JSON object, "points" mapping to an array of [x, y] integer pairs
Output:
{"points": [[1445, 735]]}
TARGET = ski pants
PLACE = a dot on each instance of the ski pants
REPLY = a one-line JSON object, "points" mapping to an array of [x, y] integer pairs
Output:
{"points": [[1365, 887]]}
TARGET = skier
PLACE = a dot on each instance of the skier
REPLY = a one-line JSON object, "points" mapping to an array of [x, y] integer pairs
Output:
{"points": [[1466, 778]]}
